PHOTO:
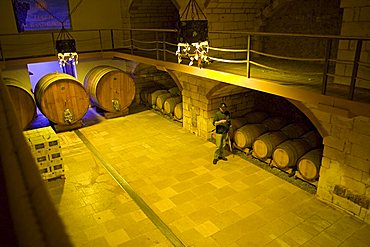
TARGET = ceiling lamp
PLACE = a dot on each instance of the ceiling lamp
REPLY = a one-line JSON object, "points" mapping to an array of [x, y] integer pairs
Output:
{"points": [[193, 35], [67, 54]]}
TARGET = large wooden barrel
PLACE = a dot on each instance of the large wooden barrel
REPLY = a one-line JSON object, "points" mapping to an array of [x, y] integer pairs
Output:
{"points": [[313, 138], [274, 123], [152, 98], [295, 130], [309, 164], [246, 135], [23, 101], [177, 112], [161, 99], [287, 153], [61, 98], [170, 103], [110, 88], [265, 144], [255, 117]]}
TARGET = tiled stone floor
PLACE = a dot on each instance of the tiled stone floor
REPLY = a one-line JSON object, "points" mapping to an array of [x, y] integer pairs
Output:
{"points": [[233, 204]]}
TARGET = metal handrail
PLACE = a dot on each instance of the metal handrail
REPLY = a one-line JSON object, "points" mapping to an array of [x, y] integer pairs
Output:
{"points": [[127, 40]]}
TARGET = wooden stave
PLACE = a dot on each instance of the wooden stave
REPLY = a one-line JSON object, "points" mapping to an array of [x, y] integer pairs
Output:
{"points": [[94, 83], [299, 148], [295, 130], [312, 157], [274, 123], [175, 91], [177, 112], [269, 141], [145, 92], [170, 103], [255, 117], [313, 138], [46, 82], [251, 132], [152, 98], [161, 99], [26, 111]]}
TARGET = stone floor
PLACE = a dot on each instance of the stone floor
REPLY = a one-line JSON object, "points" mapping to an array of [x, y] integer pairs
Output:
{"points": [[170, 170]]}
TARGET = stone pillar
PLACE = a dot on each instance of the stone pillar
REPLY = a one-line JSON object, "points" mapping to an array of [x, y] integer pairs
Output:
{"points": [[356, 22]]}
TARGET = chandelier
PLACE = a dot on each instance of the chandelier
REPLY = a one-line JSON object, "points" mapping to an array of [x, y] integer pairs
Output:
{"points": [[67, 54], [193, 35]]}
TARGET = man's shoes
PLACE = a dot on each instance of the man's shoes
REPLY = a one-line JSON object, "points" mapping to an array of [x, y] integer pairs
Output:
{"points": [[222, 158], [215, 161]]}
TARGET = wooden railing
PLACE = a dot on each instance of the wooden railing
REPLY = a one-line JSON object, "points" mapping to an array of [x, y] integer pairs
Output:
{"points": [[326, 67]]}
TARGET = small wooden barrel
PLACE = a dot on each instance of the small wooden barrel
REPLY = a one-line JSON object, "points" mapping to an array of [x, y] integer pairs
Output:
{"points": [[309, 164], [110, 88], [265, 144], [255, 117], [174, 91], [170, 103], [246, 135], [287, 153], [274, 123], [236, 123], [145, 92], [61, 98], [313, 138], [161, 99], [23, 101], [152, 98], [177, 112], [295, 130]]}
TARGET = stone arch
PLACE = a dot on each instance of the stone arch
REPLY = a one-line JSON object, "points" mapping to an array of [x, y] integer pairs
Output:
{"points": [[308, 113]]}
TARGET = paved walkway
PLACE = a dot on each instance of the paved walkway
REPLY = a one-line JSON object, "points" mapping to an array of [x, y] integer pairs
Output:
{"points": [[233, 204]]}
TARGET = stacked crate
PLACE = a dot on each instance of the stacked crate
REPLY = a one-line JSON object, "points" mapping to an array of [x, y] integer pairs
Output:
{"points": [[45, 147]]}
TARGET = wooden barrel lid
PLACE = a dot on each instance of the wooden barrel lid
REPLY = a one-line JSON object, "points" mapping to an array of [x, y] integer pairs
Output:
{"points": [[61, 98], [111, 89]]}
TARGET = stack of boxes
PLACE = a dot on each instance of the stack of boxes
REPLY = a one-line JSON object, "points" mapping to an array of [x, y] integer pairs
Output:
{"points": [[46, 150]]}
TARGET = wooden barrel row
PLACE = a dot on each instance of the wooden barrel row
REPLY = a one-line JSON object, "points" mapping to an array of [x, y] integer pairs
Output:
{"points": [[169, 101], [64, 100], [288, 145]]}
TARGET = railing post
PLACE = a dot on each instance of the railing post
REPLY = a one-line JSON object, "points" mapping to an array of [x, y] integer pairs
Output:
{"points": [[164, 46], [131, 43], [326, 66], [101, 41], [248, 56], [53, 44], [157, 44], [112, 38], [355, 69], [1, 53]]}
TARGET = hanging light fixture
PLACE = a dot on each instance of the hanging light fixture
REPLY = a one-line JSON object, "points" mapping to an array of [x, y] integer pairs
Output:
{"points": [[67, 53], [193, 35]]}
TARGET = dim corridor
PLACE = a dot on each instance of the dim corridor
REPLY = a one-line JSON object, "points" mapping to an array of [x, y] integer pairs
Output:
{"points": [[233, 204]]}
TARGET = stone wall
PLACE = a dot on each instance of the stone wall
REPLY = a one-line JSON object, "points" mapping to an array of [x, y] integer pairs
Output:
{"points": [[356, 22], [344, 175], [309, 17], [231, 16]]}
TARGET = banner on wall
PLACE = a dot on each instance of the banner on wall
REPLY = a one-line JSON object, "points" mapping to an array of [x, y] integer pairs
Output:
{"points": [[35, 15]]}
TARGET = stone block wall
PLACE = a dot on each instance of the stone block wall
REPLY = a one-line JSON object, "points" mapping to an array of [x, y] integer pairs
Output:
{"points": [[198, 110], [356, 22], [231, 16], [309, 17], [344, 175]]}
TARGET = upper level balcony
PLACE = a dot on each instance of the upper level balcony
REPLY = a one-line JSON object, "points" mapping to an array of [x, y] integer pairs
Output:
{"points": [[336, 66]]}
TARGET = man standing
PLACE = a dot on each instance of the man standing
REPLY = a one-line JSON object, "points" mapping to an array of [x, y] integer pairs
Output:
{"points": [[222, 123]]}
